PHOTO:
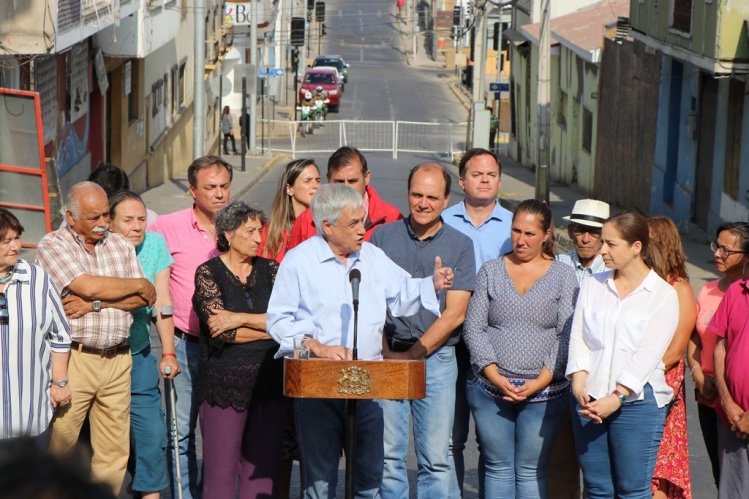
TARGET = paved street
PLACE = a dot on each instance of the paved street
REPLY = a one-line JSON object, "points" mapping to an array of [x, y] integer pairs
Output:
{"points": [[368, 38]]}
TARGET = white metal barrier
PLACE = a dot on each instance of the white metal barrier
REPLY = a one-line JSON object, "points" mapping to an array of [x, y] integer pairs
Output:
{"points": [[297, 137]]}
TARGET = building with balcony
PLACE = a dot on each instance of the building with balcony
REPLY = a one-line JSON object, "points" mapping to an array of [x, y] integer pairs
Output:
{"points": [[115, 79], [700, 171]]}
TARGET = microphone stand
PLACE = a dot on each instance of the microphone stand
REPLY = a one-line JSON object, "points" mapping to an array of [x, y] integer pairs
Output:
{"points": [[350, 422]]}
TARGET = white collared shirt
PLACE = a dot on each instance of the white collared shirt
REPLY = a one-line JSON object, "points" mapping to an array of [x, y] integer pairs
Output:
{"points": [[623, 340]]}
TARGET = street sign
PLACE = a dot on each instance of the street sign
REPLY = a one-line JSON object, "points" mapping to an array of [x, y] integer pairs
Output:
{"points": [[239, 13], [499, 87], [270, 72], [248, 71]]}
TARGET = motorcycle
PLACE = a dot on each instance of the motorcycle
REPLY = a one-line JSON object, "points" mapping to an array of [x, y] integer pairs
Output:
{"points": [[320, 109], [305, 127]]}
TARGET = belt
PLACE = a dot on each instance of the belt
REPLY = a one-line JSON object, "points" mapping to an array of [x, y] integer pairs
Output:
{"points": [[102, 352], [178, 333]]}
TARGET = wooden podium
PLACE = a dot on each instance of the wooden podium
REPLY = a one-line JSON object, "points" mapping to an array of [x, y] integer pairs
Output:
{"points": [[353, 380]]}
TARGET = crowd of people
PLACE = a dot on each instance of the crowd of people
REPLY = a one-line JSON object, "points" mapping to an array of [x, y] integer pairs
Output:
{"points": [[570, 364]]}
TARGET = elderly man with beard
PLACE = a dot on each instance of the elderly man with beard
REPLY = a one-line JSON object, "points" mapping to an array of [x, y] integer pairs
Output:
{"points": [[101, 282]]}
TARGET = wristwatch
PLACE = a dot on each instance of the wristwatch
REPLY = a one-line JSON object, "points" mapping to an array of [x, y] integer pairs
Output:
{"points": [[96, 305], [622, 398], [62, 383]]}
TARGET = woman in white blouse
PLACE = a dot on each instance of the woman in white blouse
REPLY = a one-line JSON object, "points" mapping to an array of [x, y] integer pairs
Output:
{"points": [[624, 321]]}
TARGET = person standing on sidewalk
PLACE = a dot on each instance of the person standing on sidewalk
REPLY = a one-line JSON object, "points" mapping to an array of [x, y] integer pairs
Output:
{"points": [[480, 217], [191, 237], [227, 129], [100, 282], [413, 244]]}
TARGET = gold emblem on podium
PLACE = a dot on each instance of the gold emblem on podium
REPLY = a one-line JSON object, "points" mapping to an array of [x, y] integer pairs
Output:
{"points": [[354, 381]]}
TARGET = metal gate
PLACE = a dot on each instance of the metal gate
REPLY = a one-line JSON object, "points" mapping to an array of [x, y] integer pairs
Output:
{"points": [[298, 138]]}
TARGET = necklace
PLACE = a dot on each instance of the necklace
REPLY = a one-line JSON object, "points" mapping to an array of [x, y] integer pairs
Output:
{"points": [[6, 278]]}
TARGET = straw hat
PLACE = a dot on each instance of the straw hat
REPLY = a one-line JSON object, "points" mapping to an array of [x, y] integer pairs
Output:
{"points": [[590, 212]]}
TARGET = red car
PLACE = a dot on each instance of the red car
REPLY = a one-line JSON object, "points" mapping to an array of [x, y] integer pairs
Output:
{"points": [[325, 78]]}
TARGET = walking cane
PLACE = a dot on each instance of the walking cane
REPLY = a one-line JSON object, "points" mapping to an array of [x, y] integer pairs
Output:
{"points": [[173, 433]]}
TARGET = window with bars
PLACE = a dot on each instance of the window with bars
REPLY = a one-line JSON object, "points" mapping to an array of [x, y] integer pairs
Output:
{"points": [[682, 16], [732, 162]]}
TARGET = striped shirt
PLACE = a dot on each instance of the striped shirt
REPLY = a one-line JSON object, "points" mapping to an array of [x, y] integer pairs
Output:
{"points": [[63, 255], [581, 272], [36, 328]]}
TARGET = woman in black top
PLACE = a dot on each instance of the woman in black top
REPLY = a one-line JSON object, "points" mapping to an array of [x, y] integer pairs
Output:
{"points": [[242, 409]]}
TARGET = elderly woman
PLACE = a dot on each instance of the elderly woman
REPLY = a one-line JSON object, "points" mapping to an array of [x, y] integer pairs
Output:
{"points": [[147, 430], [242, 409], [516, 329], [624, 322], [299, 181], [35, 339], [731, 251]]}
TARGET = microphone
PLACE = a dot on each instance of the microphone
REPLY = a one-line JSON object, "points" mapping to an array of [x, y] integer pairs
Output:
{"points": [[355, 278]]}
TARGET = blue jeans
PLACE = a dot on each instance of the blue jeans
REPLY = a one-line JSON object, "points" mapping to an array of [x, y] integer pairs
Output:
{"points": [[320, 426], [516, 441], [432, 424], [462, 420], [187, 417], [147, 429], [618, 456]]}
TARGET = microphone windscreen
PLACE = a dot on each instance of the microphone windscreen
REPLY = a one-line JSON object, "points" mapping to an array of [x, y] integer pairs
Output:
{"points": [[354, 274]]}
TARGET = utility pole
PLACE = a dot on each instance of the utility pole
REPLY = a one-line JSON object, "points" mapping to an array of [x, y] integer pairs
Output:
{"points": [[253, 60], [480, 116], [414, 21], [198, 101], [544, 102]]}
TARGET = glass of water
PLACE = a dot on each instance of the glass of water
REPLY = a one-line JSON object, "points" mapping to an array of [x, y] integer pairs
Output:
{"points": [[301, 346]]}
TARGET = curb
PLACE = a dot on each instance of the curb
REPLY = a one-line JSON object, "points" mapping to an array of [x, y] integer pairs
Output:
{"points": [[267, 167], [460, 95]]}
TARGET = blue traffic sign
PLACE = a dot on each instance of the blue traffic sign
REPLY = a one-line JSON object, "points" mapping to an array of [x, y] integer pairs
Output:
{"points": [[266, 72], [499, 87]]}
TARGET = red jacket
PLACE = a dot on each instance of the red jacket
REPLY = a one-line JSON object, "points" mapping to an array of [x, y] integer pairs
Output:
{"points": [[379, 213]]}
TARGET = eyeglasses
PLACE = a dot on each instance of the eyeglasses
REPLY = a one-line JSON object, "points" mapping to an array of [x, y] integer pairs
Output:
{"points": [[724, 252], [582, 229], [4, 316]]}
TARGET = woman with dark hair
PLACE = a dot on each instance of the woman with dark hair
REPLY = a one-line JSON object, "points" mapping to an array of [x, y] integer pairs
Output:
{"points": [[34, 341], [299, 181], [624, 321], [147, 430], [671, 478], [517, 330], [242, 409], [731, 251]]}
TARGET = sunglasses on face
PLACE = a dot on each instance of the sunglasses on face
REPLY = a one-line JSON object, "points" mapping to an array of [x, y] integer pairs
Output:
{"points": [[582, 229]]}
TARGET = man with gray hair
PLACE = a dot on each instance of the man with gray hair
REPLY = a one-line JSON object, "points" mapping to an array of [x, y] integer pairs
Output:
{"points": [[100, 282], [312, 295]]}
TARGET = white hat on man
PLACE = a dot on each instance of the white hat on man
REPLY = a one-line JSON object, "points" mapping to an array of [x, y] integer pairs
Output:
{"points": [[590, 212]]}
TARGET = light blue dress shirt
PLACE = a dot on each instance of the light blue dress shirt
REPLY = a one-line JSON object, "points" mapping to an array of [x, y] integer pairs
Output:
{"points": [[491, 239], [312, 294], [581, 272]]}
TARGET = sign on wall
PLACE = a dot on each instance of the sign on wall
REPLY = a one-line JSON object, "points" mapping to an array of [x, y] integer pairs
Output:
{"points": [[240, 13]]}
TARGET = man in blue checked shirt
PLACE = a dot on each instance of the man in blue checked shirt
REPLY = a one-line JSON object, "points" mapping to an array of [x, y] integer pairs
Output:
{"points": [[312, 295]]}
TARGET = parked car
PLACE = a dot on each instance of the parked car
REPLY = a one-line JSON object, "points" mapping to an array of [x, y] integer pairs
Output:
{"points": [[325, 78], [333, 60]]}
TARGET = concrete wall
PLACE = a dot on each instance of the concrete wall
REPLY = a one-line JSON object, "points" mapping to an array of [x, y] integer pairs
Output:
{"points": [[718, 29], [22, 27], [626, 130], [574, 89]]}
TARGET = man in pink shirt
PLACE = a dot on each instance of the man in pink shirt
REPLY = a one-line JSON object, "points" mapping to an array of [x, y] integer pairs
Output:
{"points": [[731, 324], [191, 237]]}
